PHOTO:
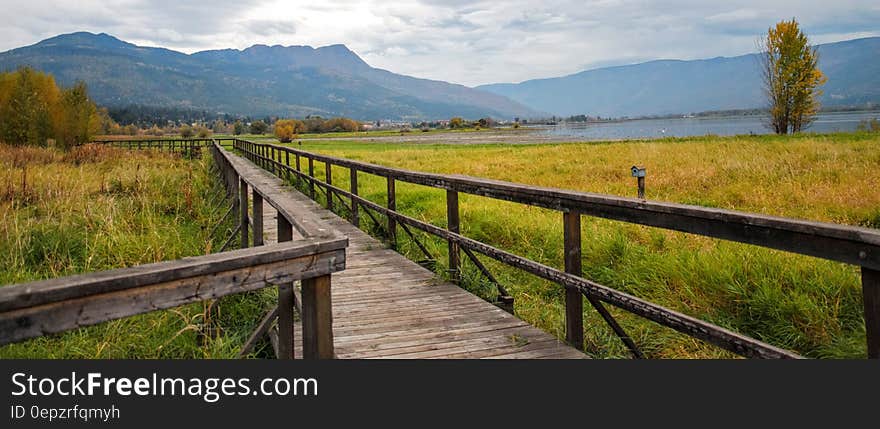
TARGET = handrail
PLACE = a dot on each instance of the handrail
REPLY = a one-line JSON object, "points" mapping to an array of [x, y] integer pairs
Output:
{"points": [[43, 307], [847, 244]]}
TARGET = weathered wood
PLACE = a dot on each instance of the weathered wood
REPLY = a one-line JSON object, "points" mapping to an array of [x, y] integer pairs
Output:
{"points": [[392, 206], [58, 315], [258, 217], [317, 318], [284, 229], [328, 179], [243, 205], [312, 176], [286, 335], [452, 224], [871, 296], [353, 182], [574, 302], [287, 163]]}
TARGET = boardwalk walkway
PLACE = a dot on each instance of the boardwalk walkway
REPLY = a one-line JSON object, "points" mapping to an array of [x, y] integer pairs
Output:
{"points": [[386, 306]]}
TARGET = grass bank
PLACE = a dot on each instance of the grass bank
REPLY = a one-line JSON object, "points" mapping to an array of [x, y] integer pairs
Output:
{"points": [[801, 303], [97, 208]]}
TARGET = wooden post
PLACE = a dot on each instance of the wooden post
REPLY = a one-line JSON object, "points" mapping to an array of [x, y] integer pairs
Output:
{"points": [[355, 216], [871, 296], [298, 169], [232, 184], [452, 224], [285, 300], [287, 163], [258, 217], [317, 318], [328, 178], [392, 205], [574, 303], [243, 206], [312, 175]]}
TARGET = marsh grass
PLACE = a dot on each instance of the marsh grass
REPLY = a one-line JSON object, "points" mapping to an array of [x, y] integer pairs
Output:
{"points": [[97, 208], [805, 304]]}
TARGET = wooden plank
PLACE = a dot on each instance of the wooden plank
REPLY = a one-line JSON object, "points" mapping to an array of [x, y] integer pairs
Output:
{"points": [[258, 217], [286, 332], [353, 182], [453, 225], [77, 286], [392, 206], [317, 318], [574, 302], [71, 313], [328, 179], [243, 205]]}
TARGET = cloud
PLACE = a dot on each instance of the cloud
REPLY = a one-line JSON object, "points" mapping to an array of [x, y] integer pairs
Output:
{"points": [[469, 42]]}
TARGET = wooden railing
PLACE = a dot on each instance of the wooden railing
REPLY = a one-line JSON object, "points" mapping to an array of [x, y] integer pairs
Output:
{"points": [[50, 306], [190, 148], [847, 244]]}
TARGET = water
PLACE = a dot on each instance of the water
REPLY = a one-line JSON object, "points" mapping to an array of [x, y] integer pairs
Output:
{"points": [[682, 127]]}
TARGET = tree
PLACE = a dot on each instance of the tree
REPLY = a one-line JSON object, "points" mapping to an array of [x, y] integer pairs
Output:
{"points": [[237, 128], [456, 122], [203, 132], [186, 131], [75, 126], [259, 127], [789, 66], [287, 129]]}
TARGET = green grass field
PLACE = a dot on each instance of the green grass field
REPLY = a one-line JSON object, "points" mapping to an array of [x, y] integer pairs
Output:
{"points": [[98, 208], [801, 303]]}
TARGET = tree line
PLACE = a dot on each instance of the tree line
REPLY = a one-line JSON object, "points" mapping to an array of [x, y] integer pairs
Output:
{"points": [[36, 111]]}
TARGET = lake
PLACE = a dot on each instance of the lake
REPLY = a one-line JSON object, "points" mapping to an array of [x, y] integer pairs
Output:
{"points": [[682, 127]]}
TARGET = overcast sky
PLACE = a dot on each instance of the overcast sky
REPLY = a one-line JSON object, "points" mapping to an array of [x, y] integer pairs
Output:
{"points": [[468, 42]]}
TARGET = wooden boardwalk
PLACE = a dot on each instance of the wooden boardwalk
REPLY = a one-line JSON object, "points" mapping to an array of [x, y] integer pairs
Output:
{"points": [[386, 306]]}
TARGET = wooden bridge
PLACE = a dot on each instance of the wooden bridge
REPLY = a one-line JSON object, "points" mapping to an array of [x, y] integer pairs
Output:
{"points": [[379, 304], [383, 304]]}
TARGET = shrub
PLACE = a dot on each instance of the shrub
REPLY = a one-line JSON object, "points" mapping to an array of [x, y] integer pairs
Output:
{"points": [[287, 129], [259, 127]]}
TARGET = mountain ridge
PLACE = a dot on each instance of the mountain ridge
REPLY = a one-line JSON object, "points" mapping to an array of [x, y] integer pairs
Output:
{"points": [[259, 80], [670, 86]]}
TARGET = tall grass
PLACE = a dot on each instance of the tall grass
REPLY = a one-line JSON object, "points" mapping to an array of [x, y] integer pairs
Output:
{"points": [[809, 305], [96, 208]]}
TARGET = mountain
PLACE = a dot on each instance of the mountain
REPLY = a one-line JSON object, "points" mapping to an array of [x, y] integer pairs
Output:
{"points": [[672, 86], [260, 80]]}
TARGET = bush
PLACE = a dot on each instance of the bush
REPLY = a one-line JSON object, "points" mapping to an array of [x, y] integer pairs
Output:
{"points": [[203, 132], [287, 129], [259, 127], [186, 131]]}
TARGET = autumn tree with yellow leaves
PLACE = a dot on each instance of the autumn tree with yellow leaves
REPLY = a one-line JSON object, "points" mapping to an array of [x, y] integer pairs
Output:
{"points": [[791, 77], [35, 111], [287, 129]]}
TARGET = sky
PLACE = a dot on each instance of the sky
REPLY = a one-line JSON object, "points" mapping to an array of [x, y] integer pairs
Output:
{"points": [[467, 42]]}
